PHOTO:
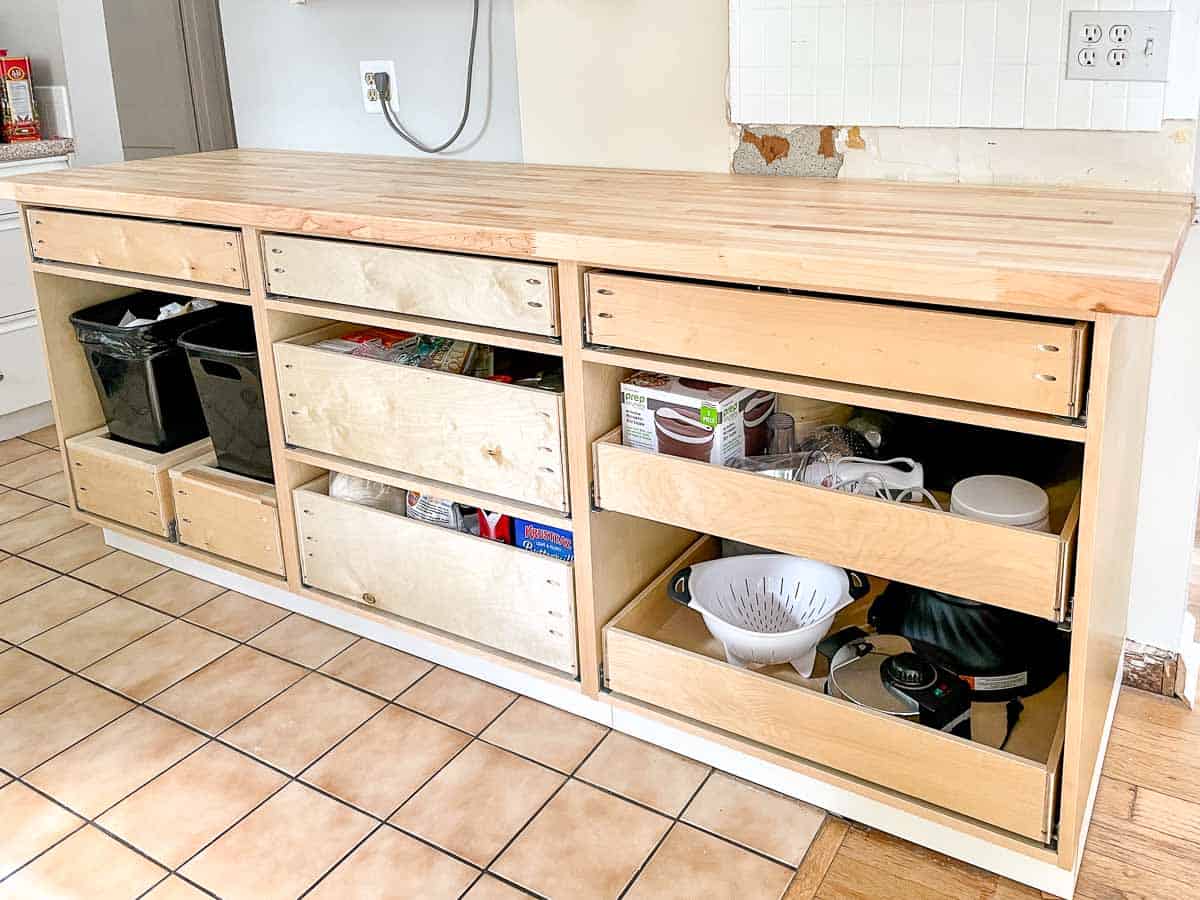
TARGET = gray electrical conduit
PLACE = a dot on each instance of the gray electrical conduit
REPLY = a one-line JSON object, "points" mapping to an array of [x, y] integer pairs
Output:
{"points": [[384, 88]]}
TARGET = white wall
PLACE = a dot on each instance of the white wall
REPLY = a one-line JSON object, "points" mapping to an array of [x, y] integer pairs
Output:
{"points": [[30, 28], [89, 82], [293, 74]]}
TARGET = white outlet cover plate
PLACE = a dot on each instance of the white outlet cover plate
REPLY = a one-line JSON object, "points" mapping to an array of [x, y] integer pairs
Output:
{"points": [[377, 65], [1148, 30]]}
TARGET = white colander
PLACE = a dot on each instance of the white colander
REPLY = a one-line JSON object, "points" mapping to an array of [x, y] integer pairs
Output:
{"points": [[767, 608]]}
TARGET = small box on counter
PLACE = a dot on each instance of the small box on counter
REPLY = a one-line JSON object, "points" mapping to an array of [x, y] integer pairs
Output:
{"points": [[543, 539], [18, 111], [694, 419]]}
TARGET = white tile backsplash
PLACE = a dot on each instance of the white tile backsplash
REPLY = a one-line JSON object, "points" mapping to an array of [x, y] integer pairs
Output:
{"points": [[942, 63]]}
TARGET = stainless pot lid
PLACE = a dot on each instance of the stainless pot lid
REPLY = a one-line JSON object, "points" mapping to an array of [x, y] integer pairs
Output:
{"points": [[854, 675]]}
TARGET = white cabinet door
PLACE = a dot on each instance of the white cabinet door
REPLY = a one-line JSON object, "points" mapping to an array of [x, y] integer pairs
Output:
{"points": [[16, 285], [22, 365]]}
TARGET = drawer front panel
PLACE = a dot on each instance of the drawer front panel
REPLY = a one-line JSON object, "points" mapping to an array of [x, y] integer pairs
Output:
{"points": [[517, 296], [1011, 567], [16, 286], [996, 360], [230, 516], [491, 593], [1003, 789], [188, 252], [479, 434], [23, 380]]}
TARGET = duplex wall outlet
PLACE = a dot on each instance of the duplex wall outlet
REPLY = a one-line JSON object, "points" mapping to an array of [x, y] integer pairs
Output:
{"points": [[1119, 45], [366, 80]]}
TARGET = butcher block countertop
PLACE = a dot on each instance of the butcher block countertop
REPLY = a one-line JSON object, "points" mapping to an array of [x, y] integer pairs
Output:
{"points": [[1057, 251]]}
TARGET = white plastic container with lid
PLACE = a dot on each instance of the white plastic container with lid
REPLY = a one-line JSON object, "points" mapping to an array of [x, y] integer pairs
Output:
{"points": [[1002, 500]]}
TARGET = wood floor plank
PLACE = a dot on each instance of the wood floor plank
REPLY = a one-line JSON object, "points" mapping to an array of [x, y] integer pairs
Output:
{"points": [[1165, 854], [1119, 803], [1150, 761], [1102, 877], [1136, 707], [929, 871], [821, 853]]}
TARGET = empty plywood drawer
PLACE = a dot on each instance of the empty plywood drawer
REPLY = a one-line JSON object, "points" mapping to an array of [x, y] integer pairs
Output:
{"points": [[200, 253], [227, 514], [480, 290], [479, 434], [660, 653], [127, 484], [1008, 361], [481, 590]]}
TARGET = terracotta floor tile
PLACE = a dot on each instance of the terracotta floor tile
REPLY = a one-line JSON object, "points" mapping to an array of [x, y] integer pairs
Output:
{"points": [[46, 606], [302, 723], [72, 550], [392, 866], [227, 689], [457, 699], [23, 675], [490, 888], [18, 576], [30, 468], [31, 824], [543, 733], [692, 864], [174, 592], [17, 448], [96, 633], [89, 864], [770, 823], [236, 615], [46, 437], [115, 761], [380, 766], [53, 720], [281, 848], [54, 488], [36, 528], [376, 668], [216, 786], [175, 888], [475, 805], [14, 504], [155, 662], [303, 640], [550, 857], [119, 572], [658, 778]]}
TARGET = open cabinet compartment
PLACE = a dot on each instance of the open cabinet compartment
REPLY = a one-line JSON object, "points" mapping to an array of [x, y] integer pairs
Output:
{"points": [[661, 653], [227, 514], [1015, 568], [488, 592], [484, 435]]}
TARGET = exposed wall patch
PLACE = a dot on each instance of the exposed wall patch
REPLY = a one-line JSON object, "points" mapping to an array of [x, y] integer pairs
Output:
{"points": [[807, 151]]}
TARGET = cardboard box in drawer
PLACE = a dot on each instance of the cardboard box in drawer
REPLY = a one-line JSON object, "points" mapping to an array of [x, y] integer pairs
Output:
{"points": [[694, 419]]}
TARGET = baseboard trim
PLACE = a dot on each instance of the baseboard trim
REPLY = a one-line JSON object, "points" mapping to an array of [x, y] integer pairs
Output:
{"points": [[23, 421]]}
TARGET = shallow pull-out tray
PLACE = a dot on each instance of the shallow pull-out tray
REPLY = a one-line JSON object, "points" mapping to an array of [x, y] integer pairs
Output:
{"points": [[1019, 569], [660, 653]]}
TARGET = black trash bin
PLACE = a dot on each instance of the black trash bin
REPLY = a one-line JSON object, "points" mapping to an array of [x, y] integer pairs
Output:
{"points": [[224, 363], [141, 374]]}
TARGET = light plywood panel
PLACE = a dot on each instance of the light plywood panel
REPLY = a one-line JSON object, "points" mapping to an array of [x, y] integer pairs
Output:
{"points": [[1009, 362], [519, 296], [483, 435], [186, 252], [500, 596]]}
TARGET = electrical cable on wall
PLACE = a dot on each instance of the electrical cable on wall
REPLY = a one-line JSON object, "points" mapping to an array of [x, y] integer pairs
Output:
{"points": [[384, 88]]}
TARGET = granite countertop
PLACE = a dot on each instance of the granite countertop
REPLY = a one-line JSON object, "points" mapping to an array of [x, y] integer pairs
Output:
{"points": [[30, 150]]}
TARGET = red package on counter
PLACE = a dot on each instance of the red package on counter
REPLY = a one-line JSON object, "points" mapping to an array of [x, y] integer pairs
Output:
{"points": [[18, 111]]}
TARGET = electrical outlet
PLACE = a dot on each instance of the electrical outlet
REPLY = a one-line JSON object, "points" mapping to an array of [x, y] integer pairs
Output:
{"points": [[366, 80], [1119, 45]]}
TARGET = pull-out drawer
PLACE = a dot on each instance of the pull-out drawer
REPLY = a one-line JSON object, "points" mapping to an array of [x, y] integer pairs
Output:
{"points": [[518, 296], [1016, 568], [198, 253], [227, 514], [125, 483], [659, 652], [483, 435], [490, 593], [998, 360]]}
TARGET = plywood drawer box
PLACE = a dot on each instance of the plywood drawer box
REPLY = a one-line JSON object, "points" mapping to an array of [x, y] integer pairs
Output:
{"points": [[1005, 361], [125, 483], [490, 593], [227, 514], [199, 253], [500, 293], [658, 652], [482, 435], [1016, 568]]}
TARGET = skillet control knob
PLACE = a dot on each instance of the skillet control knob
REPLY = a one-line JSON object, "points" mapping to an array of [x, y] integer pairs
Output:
{"points": [[907, 670]]}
